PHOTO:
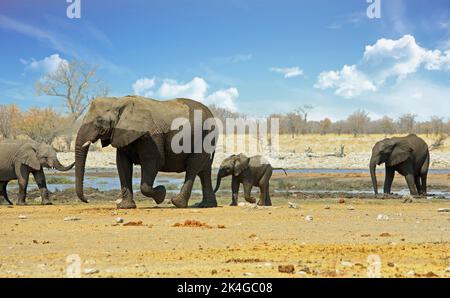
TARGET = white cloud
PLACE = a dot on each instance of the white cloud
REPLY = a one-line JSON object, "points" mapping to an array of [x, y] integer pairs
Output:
{"points": [[196, 89], [416, 96], [289, 72], [241, 58], [45, 66], [224, 99], [144, 87], [385, 59], [348, 82]]}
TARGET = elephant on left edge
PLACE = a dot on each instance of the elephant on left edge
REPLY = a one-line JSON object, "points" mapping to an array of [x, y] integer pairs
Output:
{"points": [[20, 158]]}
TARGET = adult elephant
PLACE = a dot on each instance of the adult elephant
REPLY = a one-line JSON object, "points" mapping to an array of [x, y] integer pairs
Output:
{"points": [[409, 156], [140, 129]]}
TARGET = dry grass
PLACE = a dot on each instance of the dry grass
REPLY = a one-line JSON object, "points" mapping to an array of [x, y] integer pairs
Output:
{"points": [[331, 143]]}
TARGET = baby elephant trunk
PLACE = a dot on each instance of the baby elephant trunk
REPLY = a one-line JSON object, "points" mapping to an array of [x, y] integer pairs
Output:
{"points": [[220, 175], [58, 166]]}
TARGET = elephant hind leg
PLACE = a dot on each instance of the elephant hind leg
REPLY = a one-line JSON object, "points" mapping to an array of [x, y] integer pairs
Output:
{"points": [[3, 193], [418, 184], [265, 199], [423, 177], [194, 165]]}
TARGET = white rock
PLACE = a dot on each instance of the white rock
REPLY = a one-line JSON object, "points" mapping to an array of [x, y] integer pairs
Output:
{"points": [[347, 264], [327, 207], [350, 208], [21, 216], [411, 273], [442, 210], [72, 218], [89, 271], [119, 220], [447, 269], [309, 218], [292, 205], [248, 274], [382, 217]]}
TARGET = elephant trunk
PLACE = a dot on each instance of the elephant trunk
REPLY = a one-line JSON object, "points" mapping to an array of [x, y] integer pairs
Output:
{"points": [[81, 151], [373, 175], [58, 166], [220, 175]]}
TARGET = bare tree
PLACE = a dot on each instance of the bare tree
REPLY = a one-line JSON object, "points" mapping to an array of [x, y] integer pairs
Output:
{"points": [[437, 125], [7, 116], [41, 125], [5, 122], [358, 122], [387, 125], [75, 83], [407, 122], [325, 126]]}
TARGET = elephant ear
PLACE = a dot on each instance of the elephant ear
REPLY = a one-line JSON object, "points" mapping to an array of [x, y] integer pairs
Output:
{"points": [[135, 120], [402, 151], [241, 163], [27, 155]]}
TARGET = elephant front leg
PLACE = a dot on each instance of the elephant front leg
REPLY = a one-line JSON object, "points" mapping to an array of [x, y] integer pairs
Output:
{"points": [[209, 197], [148, 173], [39, 177], [125, 169], [234, 191], [388, 179], [23, 184]]}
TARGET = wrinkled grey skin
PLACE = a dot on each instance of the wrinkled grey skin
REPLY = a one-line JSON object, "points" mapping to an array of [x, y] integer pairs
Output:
{"points": [[140, 129], [20, 158], [253, 171], [409, 156]]}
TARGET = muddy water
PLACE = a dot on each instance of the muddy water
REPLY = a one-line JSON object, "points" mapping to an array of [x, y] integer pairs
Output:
{"points": [[106, 180]]}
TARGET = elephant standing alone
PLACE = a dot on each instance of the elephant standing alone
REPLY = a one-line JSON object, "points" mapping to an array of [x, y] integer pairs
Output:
{"points": [[20, 158], [140, 129], [409, 156]]}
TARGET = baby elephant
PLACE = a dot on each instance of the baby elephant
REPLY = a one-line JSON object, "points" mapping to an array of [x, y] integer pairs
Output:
{"points": [[20, 158], [253, 171]]}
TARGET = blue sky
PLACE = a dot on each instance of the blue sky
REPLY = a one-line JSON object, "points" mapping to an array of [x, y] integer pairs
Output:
{"points": [[255, 56]]}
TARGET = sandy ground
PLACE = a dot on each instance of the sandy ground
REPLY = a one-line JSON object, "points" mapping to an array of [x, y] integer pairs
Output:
{"points": [[413, 241]]}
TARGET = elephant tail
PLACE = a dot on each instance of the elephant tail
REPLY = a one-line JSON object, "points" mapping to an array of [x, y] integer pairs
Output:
{"points": [[281, 169]]}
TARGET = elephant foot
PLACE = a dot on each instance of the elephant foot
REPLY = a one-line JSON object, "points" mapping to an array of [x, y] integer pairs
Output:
{"points": [[126, 204], [46, 203], [3, 201], [179, 202], [208, 203], [250, 200], [234, 204], [261, 203], [158, 193], [21, 203]]}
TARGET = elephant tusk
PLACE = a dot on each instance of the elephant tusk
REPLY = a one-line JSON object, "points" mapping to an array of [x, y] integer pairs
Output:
{"points": [[87, 144]]}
